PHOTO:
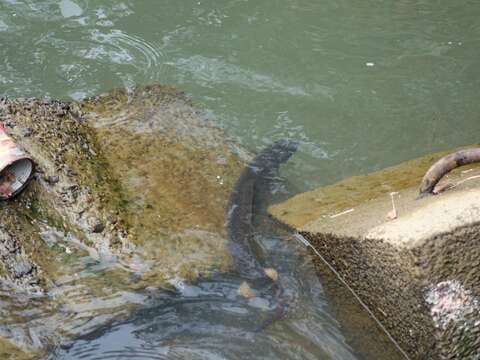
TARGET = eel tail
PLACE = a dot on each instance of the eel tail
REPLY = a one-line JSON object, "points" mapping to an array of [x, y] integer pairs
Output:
{"points": [[279, 310]]}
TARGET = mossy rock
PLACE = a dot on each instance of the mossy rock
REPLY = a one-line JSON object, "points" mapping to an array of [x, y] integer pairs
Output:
{"points": [[175, 176], [132, 182]]}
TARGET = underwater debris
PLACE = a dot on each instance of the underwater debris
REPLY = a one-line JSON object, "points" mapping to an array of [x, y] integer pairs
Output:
{"points": [[16, 167]]}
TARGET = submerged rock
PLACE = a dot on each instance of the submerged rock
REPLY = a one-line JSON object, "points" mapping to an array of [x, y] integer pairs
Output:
{"points": [[175, 176], [131, 185]]}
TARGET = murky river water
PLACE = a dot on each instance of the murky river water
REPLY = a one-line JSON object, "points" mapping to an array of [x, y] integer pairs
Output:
{"points": [[362, 85]]}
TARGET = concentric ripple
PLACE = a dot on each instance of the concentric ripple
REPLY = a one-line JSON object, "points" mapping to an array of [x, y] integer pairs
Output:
{"points": [[123, 48]]}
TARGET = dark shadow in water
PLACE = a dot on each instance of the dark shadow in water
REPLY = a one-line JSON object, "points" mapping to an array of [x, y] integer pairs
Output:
{"points": [[208, 320]]}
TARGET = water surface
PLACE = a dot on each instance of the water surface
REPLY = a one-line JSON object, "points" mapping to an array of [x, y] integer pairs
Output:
{"points": [[362, 85]]}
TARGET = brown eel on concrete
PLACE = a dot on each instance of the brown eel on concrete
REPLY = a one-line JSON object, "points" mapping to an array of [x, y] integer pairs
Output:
{"points": [[445, 165], [247, 197]]}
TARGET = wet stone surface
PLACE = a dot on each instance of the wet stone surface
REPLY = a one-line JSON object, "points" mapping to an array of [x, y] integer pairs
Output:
{"points": [[130, 191], [417, 272]]}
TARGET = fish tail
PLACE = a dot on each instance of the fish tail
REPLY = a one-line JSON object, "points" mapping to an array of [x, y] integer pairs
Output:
{"points": [[278, 312]]}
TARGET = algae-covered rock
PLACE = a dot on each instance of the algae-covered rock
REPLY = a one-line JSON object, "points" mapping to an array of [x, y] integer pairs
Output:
{"points": [[130, 192], [175, 175]]}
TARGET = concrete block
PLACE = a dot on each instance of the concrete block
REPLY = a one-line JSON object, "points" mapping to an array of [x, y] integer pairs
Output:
{"points": [[414, 262]]}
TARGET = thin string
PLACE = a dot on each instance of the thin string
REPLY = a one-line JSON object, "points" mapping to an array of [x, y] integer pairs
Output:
{"points": [[305, 242]]}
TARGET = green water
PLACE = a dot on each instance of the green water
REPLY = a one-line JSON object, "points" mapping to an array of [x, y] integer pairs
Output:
{"points": [[267, 69], [362, 84]]}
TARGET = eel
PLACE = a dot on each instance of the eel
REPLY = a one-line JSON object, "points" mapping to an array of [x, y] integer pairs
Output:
{"points": [[445, 165], [245, 200]]}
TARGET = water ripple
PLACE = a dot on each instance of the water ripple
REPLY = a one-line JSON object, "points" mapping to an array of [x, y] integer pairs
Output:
{"points": [[211, 71], [208, 320], [121, 48]]}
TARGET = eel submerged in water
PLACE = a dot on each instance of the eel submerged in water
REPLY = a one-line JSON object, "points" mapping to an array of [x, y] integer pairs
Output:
{"points": [[254, 182]]}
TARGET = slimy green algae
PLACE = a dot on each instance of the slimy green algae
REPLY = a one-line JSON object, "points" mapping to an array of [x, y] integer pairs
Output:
{"points": [[9, 351], [144, 163], [142, 177], [175, 176]]}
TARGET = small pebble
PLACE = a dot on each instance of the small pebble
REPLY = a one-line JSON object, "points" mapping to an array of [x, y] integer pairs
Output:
{"points": [[25, 132], [23, 268], [97, 225], [53, 179]]}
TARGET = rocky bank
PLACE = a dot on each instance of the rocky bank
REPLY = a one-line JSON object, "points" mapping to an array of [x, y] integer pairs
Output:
{"points": [[129, 194]]}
